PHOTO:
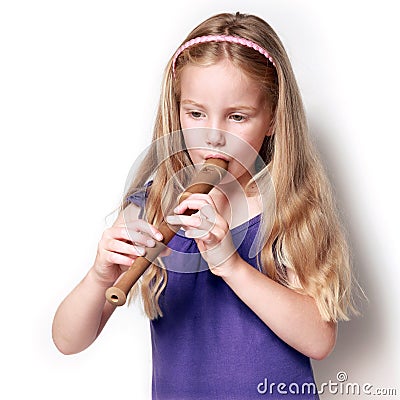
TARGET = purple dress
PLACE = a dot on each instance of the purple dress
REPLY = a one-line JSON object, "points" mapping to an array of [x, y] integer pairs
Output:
{"points": [[209, 344]]}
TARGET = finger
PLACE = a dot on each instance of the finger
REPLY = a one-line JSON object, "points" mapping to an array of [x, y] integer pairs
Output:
{"points": [[122, 233], [198, 234], [210, 237], [190, 204], [207, 217], [118, 232], [201, 196], [116, 258], [208, 212], [142, 227], [125, 248], [140, 239], [188, 221]]}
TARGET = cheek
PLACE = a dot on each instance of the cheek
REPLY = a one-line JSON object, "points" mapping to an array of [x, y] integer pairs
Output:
{"points": [[249, 142], [256, 136], [191, 137], [182, 119], [257, 143], [194, 139], [245, 147], [187, 122]]}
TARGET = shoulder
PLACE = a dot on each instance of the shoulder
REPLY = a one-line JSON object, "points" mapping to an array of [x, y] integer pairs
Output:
{"points": [[292, 277], [139, 195]]}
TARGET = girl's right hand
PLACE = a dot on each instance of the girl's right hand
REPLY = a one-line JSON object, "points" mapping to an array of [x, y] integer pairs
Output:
{"points": [[120, 246]]}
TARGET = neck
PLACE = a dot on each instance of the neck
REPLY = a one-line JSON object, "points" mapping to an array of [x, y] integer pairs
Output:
{"points": [[233, 203]]}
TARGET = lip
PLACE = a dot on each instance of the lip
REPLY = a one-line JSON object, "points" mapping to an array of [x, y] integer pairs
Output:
{"points": [[216, 155]]}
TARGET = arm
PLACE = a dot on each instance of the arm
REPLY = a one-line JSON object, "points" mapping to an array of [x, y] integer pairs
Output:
{"points": [[290, 315], [83, 314]]}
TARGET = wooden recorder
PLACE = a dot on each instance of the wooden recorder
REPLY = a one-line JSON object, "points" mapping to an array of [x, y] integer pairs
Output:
{"points": [[209, 175]]}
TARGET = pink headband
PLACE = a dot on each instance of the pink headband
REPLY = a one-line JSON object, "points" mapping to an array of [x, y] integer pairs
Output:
{"points": [[221, 38]]}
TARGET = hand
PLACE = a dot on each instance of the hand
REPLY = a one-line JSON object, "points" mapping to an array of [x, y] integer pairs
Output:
{"points": [[120, 245], [209, 229]]}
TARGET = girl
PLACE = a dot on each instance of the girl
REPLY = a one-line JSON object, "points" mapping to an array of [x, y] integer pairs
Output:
{"points": [[247, 325]]}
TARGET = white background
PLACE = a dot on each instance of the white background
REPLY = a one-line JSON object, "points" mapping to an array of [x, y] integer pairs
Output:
{"points": [[79, 85]]}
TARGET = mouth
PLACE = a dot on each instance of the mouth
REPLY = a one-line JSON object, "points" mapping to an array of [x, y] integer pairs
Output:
{"points": [[217, 155]]}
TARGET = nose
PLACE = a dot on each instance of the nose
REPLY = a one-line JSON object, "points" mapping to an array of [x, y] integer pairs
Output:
{"points": [[215, 137]]}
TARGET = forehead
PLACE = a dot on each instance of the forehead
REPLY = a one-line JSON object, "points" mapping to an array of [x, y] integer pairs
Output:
{"points": [[221, 81]]}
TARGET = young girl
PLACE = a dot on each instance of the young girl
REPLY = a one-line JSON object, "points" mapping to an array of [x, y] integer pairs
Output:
{"points": [[247, 325]]}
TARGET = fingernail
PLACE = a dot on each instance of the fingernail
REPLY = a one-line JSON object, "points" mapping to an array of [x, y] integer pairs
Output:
{"points": [[150, 243], [176, 209], [159, 236]]}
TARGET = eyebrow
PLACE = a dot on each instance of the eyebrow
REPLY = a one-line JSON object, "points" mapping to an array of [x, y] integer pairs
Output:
{"points": [[191, 102], [234, 107]]}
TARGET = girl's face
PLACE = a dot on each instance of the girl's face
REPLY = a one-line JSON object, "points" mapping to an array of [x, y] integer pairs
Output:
{"points": [[235, 112]]}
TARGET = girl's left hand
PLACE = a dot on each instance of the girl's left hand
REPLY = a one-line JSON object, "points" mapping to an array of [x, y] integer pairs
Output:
{"points": [[209, 229]]}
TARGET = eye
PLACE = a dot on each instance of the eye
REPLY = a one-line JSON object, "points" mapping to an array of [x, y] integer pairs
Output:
{"points": [[196, 114], [237, 117]]}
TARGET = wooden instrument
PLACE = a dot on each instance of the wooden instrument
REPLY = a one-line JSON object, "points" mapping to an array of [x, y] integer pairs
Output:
{"points": [[209, 175]]}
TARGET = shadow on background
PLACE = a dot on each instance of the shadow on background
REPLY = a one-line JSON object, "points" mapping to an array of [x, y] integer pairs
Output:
{"points": [[359, 343]]}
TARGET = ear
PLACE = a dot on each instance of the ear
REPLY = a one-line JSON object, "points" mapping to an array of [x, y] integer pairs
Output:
{"points": [[270, 131], [271, 126]]}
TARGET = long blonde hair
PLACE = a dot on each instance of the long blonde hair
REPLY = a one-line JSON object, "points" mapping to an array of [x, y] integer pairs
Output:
{"points": [[306, 236]]}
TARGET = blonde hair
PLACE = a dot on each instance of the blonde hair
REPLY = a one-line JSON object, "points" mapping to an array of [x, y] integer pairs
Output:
{"points": [[306, 236]]}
